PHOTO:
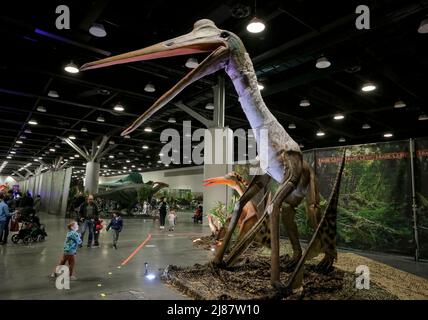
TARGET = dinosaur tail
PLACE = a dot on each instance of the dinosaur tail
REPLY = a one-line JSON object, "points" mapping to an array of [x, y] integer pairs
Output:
{"points": [[324, 238]]}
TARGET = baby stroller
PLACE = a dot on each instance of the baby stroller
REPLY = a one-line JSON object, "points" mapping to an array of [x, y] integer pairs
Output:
{"points": [[31, 231]]}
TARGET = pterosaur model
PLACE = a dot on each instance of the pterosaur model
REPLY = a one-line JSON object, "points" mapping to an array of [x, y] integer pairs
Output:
{"points": [[284, 158]]}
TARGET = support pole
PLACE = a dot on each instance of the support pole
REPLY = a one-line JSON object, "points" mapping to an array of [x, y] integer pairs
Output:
{"points": [[414, 203], [92, 176]]}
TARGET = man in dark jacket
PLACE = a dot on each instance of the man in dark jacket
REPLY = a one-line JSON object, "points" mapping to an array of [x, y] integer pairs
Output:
{"points": [[163, 210], [88, 216]]}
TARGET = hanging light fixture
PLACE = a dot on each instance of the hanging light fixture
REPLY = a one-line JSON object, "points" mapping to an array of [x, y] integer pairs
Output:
{"points": [[72, 137], [98, 30], [423, 28], [191, 63], [84, 129], [71, 68], [41, 109], [149, 88], [399, 104], [388, 135], [323, 63], [100, 119], [33, 123], [256, 25], [320, 133], [423, 117], [366, 126], [342, 140], [291, 126], [172, 120], [148, 129], [339, 116], [145, 147], [209, 106], [305, 103], [118, 107], [53, 94], [368, 86]]}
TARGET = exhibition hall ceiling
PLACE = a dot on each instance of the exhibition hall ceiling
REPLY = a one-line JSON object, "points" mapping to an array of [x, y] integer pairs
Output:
{"points": [[392, 55]]}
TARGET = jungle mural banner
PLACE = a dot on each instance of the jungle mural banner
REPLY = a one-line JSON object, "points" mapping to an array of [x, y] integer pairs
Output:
{"points": [[375, 206], [421, 175]]}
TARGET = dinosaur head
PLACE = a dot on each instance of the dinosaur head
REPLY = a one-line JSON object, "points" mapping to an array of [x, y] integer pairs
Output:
{"points": [[230, 179], [205, 37]]}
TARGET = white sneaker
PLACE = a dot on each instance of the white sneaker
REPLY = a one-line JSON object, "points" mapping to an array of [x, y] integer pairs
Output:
{"points": [[73, 278]]}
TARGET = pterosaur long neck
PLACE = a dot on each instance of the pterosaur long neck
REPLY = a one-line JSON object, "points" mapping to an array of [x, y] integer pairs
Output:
{"points": [[240, 69]]}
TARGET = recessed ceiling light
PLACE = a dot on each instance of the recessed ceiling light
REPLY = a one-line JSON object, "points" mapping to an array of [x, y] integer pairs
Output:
{"points": [[366, 126], [72, 137], [41, 109], [33, 123], [388, 135], [209, 106], [291, 126], [172, 120], [260, 86], [368, 86], [339, 116], [342, 140], [399, 104], [119, 108], [323, 63], [84, 129], [98, 30], [145, 147], [423, 117], [71, 68], [256, 25], [191, 63], [149, 88], [305, 103], [53, 94], [148, 129], [320, 133], [423, 28], [100, 119]]}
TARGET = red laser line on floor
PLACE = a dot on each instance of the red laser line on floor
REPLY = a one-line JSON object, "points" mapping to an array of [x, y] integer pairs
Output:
{"points": [[136, 250]]}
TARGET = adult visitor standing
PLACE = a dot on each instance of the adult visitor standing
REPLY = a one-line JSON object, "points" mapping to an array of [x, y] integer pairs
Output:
{"points": [[4, 218], [88, 216], [163, 209]]}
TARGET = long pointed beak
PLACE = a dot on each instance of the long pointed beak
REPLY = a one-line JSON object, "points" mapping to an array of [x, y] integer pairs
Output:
{"points": [[219, 181]]}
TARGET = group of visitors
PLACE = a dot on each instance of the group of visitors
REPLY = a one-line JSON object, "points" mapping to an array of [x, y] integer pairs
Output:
{"points": [[164, 211], [9, 204]]}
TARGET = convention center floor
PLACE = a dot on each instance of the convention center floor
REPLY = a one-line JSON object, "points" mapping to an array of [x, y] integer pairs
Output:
{"points": [[110, 274], [25, 269]]}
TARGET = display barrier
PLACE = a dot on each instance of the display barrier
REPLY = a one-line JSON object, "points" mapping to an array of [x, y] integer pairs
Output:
{"points": [[53, 188], [375, 210]]}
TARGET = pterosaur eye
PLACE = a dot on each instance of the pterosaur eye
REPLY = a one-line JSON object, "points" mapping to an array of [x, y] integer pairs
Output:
{"points": [[224, 34]]}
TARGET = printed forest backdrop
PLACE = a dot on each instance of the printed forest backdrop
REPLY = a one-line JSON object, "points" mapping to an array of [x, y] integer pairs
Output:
{"points": [[375, 206]]}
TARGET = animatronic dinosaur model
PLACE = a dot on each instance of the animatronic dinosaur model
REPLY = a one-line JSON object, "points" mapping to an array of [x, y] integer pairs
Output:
{"points": [[284, 158], [250, 215], [127, 195]]}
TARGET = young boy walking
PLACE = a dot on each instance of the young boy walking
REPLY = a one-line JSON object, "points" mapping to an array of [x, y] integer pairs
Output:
{"points": [[116, 224], [72, 241]]}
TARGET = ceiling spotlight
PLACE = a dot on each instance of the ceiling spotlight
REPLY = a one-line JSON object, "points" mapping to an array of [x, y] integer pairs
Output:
{"points": [[399, 104], [172, 120], [145, 147], [260, 86], [149, 88], [256, 25], [148, 129], [339, 116], [368, 86], [71, 68], [98, 30], [191, 63], [305, 103], [323, 63], [291, 126], [209, 106], [342, 140], [72, 137], [388, 135], [33, 123], [320, 133], [41, 109], [101, 119], [119, 108], [423, 28], [53, 94], [366, 126], [84, 129], [423, 117]]}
